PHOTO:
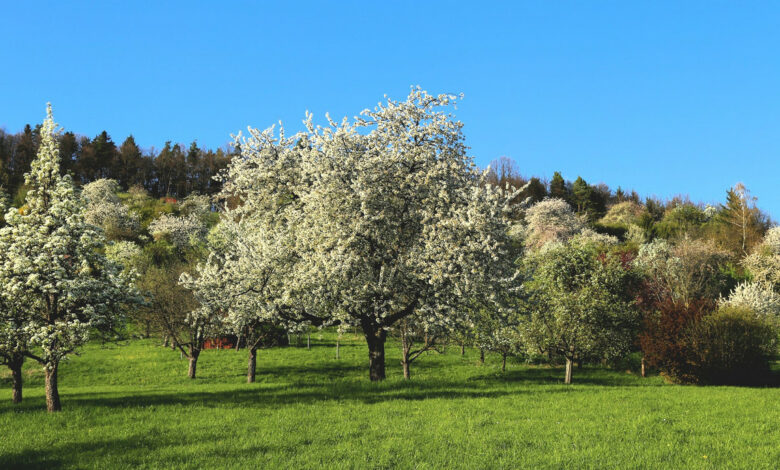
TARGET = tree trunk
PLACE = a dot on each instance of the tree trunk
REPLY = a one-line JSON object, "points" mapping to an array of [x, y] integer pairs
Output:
{"points": [[376, 354], [462, 349], [252, 366], [16, 373], [52, 392], [308, 341], [481, 356], [405, 348], [503, 363], [338, 343], [643, 367], [193, 363], [567, 380]]}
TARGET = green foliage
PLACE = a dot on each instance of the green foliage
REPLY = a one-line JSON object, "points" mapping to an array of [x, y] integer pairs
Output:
{"points": [[681, 220], [132, 406], [731, 346], [582, 302]]}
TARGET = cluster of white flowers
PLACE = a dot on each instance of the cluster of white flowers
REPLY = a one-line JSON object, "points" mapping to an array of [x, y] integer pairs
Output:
{"points": [[182, 231], [764, 262], [123, 252], [551, 220], [105, 210], [758, 297]]}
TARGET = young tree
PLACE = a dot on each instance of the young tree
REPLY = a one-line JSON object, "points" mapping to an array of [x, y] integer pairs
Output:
{"points": [[744, 224], [53, 266], [237, 284], [581, 303], [383, 218], [416, 338]]}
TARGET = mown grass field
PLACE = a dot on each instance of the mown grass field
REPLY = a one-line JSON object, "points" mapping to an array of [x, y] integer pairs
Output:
{"points": [[131, 405]]}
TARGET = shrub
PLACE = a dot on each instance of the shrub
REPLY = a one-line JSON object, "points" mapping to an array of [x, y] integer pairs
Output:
{"points": [[664, 337], [731, 346]]}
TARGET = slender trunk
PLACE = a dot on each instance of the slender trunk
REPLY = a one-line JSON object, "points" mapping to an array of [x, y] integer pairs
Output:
{"points": [[52, 392], [16, 373], [194, 353], [462, 349], [308, 341], [376, 354], [643, 366], [338, 343], [503, 363], [405, 347], [148, 331], [481, 356], [567, 380], [252, 366]]}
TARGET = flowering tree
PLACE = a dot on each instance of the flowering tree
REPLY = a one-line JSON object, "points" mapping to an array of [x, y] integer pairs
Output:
{"points": [[582, 304], [764, 262], [759, 298], [105, 210], [551, 220], [53, 269], [373, 221], [684, 271]]}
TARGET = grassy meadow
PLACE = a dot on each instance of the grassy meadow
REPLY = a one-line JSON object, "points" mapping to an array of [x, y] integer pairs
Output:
{"points": [[132, 406]]}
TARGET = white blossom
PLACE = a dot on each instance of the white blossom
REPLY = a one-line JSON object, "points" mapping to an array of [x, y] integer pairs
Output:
{"points": [[758, 297]]}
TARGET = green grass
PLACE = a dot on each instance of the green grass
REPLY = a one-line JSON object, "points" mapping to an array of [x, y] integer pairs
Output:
{"points": [[132, 406]]}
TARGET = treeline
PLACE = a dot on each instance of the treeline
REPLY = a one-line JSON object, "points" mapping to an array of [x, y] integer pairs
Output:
{"points": [[173, 171], [737, 225]]}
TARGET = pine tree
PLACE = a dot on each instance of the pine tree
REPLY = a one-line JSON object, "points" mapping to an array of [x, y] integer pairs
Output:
{"points": [[558, 187]]}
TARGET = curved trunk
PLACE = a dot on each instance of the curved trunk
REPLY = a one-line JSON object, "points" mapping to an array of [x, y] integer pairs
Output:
{"points": [[376, 354], [52, 392], [251, 366], [193, 363]]}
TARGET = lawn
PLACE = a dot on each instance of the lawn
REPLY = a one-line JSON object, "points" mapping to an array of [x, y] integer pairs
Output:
{"points": [[131, 405]]}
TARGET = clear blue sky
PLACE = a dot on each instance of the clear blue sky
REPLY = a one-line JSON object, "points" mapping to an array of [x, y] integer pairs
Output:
{"points": [[661, 97]]}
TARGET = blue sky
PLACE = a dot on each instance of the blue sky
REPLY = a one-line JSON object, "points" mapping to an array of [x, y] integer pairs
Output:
{"points": [[661, 97]]}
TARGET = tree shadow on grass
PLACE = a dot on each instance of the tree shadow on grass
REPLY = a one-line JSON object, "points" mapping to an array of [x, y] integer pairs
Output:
{"points": [[292, 394], [135, 451]]}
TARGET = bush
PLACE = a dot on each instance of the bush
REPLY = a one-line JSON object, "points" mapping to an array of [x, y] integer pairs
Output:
{"points": [[664, 337], [731, 346]]}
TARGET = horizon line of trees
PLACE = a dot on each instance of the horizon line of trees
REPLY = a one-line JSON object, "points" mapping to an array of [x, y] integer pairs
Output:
{"points": [[176, 170]]}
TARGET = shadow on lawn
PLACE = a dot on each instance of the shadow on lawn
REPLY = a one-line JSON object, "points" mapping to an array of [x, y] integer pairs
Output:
{"points": [[135, 451], [303, 391]]}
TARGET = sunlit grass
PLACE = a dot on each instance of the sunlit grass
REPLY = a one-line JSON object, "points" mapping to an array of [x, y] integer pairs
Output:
{"points": [[132, 406]]}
